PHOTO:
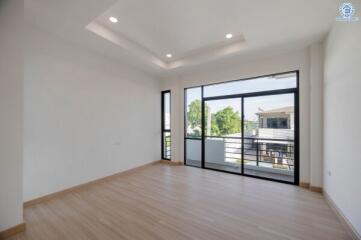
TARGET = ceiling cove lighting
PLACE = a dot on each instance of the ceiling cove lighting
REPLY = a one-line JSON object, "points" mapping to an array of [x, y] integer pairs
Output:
{"points": [[169, 55], [229, 35], [113, 19]]}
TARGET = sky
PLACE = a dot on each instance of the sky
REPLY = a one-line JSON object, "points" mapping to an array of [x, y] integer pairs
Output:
{"points": [[251, 104], [167, 101]]}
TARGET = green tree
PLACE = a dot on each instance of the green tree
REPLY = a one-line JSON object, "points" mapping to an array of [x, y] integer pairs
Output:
{"points": [[194, 114], [194, 119], [225, 121], [214, 127], [228, 121]]}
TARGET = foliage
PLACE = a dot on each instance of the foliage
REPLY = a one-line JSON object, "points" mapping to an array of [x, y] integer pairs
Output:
{"points": [[195, 113], [194, 117], [227, 121], [224, 122]]}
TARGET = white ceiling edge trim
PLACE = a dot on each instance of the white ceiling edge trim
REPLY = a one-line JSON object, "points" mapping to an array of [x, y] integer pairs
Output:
{"points": [[209, 54], [194, 57], [125, 43], [210, 48]]}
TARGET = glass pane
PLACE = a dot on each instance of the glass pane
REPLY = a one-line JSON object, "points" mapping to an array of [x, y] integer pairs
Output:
{"points": [[269, 136], [194, 152], [167, 110], [167, 145], [194, 112], [223, 143], [223, 117], [280, 81]]}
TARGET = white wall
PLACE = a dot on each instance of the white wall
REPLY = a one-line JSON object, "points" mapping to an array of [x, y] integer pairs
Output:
{"points": [[11, 109], [316, 114], [342, 118], [86, 116], [252, 67]]}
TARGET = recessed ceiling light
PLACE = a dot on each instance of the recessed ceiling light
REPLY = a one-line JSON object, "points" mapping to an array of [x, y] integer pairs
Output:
{"points": [[113, 19], [169, 55], [229, 35]]}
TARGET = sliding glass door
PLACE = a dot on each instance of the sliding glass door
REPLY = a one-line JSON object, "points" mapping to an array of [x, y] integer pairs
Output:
{"points": [[269, 139], [249, 133], [223, 134]]}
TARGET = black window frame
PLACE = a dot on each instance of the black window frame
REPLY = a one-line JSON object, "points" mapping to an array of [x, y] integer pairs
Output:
{"points": [[295, 91], [163, 129]]}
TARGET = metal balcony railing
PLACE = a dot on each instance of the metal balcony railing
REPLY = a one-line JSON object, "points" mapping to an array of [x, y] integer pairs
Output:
{"points": [[167, 146], [266, 152]]}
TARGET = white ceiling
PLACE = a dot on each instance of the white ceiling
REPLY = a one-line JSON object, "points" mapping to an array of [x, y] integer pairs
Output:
{"points": [[176, 27], [193, 31]]}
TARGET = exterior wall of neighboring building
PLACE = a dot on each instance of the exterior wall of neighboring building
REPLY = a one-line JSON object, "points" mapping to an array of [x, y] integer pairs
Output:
{"points": [[274, 133], [265, 131]]}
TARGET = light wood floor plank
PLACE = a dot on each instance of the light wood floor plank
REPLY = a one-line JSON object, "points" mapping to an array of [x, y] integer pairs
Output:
{"points": [[178, 203]]}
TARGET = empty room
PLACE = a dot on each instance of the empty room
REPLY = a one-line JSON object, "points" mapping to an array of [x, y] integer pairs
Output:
{"points": [[180, 119]]}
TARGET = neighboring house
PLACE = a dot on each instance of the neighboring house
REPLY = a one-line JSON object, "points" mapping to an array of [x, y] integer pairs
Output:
{"points": [[270, 146], [276, 135], [277, 123]]}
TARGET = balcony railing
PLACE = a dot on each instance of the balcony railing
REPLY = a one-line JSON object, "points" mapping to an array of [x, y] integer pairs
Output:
{"points": [[259, 152], [167, 146], [269, 156]]}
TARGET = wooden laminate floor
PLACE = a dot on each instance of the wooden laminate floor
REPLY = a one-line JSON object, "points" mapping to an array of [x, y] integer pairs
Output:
{"points": [[178, 202], [238, 169]]}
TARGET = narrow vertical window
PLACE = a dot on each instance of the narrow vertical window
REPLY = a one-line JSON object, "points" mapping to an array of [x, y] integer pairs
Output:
{"points": [[166, 133]]}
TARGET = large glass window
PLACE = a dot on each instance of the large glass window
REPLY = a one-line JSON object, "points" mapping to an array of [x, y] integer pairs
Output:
{"points": [[166, 132], [247, 127]]}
